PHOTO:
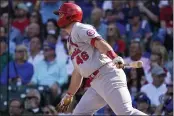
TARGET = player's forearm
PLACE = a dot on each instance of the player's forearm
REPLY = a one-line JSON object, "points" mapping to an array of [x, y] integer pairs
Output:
{"points": [[105, 48], [76, 81]]}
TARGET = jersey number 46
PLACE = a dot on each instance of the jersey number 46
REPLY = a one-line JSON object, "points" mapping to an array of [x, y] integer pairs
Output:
{"points": [[82, 57]]}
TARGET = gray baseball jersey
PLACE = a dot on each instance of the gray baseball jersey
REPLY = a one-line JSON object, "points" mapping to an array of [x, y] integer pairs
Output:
{"points": [[109, 85], [85, 57]]}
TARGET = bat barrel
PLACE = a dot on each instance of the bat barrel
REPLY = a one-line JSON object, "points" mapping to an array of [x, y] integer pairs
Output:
{"points": [[136, 64]]}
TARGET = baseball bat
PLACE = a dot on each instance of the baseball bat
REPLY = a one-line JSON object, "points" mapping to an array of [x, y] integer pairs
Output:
{"points": [[136, 64]]}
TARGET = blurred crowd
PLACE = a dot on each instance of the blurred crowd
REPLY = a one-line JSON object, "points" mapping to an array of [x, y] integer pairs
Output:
{"points": [[33, 53]]}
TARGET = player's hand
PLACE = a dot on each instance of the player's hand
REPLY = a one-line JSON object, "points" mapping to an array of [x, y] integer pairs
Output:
{"points": [[119, 62], [65, 103]]}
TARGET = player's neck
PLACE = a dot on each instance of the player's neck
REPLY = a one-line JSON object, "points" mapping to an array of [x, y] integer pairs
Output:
{"points": [[68, 29]]}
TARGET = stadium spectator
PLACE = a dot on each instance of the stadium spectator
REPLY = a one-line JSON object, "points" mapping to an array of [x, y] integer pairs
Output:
{"points": [[51, 71], [151, 12], [107, 14], [51, 27], [35, 53], [135, 80], [166, 106], [47, 7], [32, 103], [161, 50], [87, 7], [166, 14], [3, 32], [157, 88], [51, 38], [61, 50], [169, 93], [143, 103], [137, 28], [21, 21], [32, 30], [118, 11], [4, 6], [6, 20], [61, 42], [13, 32], [18, 71], [115, 40], [136, 54], [166, 22], [169, 66], [5, 57], [157, 41], [96, 17], [49, 110], [158, 56], [132, 3], [35, 17], [16, 107]]}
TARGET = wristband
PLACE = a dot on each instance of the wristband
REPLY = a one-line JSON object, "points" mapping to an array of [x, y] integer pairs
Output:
{"points": [[111, 54], [115, 60]]}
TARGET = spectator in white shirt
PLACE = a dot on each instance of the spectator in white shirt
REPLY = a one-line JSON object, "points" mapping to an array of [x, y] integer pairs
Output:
{"points": [[156, 58], [61, 48], [50, 71], [157, 88], [136, 54], [159, 55], [36, 55], [52, 37]]}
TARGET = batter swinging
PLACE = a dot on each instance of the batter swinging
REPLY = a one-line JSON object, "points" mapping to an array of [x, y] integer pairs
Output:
{"points": [[95, 59]]}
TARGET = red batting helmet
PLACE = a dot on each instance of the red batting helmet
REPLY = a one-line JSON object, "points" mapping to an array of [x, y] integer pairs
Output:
{"points": [[68, 13]]}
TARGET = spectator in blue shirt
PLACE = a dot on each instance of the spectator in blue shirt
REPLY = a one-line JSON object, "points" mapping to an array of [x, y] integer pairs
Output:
{"points": [[33, 30], [19, 71], [5, 57], [137, 28], [50, 71], [13, 32], [47, 7]]}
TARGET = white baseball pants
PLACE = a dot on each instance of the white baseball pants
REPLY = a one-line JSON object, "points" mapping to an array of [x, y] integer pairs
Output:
{"points": [[108, 87]]}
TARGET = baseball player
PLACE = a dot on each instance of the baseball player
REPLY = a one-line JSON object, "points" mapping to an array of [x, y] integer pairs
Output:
{"points": [[93, 58]]}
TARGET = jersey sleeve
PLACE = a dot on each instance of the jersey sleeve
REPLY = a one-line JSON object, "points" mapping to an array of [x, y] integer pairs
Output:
{"points": [[88, 34]]}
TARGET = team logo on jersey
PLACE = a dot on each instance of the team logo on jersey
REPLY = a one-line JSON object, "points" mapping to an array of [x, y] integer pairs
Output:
{"points": [[90, 32]]}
